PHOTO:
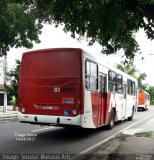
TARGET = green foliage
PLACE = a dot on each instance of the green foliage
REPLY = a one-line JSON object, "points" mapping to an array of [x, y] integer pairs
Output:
{"points": [[18, 26], [13, 79], [150, 90], [144, 134], [140, 78], [13, 101], [111, 23], [130, 69], [152, 101]]}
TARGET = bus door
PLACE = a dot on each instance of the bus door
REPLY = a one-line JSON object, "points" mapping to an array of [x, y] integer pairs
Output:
{"points": [[124, 100], [102, 98]]}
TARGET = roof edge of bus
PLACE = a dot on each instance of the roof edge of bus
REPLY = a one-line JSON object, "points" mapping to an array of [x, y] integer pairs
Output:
{"points": [[145, 92], [51, 49]]}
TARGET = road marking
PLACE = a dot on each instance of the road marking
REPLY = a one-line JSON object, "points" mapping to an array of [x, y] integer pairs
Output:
{"points": [[42, 129], [109, 138]]}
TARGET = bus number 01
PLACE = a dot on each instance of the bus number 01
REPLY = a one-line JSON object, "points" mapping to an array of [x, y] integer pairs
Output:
{"points": [[57, 89]]}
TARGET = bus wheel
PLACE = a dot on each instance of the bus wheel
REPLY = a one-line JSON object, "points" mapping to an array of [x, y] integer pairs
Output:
{"points": [[132, 115], [111, 120], [143, 109]]}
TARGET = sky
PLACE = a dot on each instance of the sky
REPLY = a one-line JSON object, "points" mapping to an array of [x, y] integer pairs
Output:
{"points": [[52, 37]]}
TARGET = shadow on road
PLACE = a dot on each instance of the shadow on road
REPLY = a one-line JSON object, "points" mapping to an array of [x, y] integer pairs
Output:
{"points": [[73, 133], [67, 134]]}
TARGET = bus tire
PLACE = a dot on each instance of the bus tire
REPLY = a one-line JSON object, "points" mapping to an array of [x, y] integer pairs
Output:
{"points": [[143, 109], [132, 115], [111, 120]]}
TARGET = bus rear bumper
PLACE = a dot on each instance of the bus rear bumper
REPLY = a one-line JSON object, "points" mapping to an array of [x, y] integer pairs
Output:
{"points": [[143, 107], [49, 120]]}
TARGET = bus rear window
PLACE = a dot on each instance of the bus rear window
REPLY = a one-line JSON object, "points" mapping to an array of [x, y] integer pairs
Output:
{"points": [[51, 64]]}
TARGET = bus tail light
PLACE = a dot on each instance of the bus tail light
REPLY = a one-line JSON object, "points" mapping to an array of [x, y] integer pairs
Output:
{"points": [[78, 102], [23, 109], [74, 112]]}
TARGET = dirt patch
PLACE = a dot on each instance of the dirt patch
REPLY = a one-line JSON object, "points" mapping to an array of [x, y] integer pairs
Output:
{"points": [[109, 150], [125, 147]]}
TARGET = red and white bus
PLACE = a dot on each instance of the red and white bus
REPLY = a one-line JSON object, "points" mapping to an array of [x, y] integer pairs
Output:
{"points": [[68, 86]]}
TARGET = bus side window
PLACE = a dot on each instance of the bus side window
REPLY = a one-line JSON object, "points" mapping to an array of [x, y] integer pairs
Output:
{"points": [[87, 68], [112, 81], [87, 82], [93, 69], [131, 87], [91, 75], [124, 90], [119, 83]]}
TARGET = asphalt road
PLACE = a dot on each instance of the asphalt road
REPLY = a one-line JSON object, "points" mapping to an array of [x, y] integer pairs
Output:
{"points": [[19, 138]]}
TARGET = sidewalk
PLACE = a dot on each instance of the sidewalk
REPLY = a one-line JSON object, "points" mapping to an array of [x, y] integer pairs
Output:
{"points": [[135, 143], [10, 114]]}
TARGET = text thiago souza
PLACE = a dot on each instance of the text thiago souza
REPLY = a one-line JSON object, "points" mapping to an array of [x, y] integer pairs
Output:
{"points": [[35, 157]]}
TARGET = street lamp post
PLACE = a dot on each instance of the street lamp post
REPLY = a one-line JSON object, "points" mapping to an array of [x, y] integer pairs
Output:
{"points": [[3, 62]]}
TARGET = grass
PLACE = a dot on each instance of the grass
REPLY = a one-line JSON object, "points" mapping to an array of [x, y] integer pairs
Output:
{"points": [[144, 134]]}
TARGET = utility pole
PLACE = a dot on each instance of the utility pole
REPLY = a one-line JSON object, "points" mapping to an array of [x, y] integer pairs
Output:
{"points": [[5, 93]]}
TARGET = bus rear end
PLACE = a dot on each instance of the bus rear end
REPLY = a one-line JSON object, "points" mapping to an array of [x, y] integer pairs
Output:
{"points": [[143, 100], [50, 87]]}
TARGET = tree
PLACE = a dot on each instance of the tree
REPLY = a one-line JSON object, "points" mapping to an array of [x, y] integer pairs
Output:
{"points": [[18, 26], [111, 23], [150, 90], [127, 67], [140, 78], [130, 69], [13, 79]]}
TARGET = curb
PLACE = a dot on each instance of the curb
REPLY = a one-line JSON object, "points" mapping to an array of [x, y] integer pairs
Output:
{"points": [[8, 119], [8, 116], [93, 149]]}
